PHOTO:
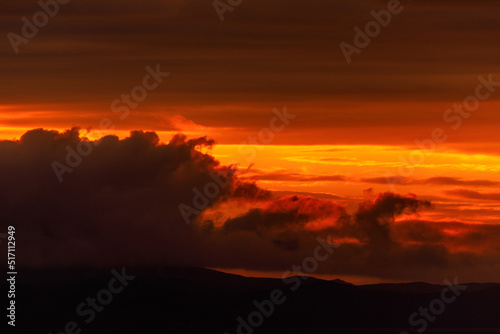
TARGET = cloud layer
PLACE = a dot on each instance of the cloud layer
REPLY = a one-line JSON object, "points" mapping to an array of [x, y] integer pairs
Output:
{"points": [[264, 55]]}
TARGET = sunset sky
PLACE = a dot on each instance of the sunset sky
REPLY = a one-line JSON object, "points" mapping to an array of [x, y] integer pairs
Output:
{"points": [[346, 163]]}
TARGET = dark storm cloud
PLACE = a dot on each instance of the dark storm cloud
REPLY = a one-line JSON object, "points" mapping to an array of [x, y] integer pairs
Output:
{"points": [[286, 213], [125, 192], [373, 219], [120, 206], [463, 235]]}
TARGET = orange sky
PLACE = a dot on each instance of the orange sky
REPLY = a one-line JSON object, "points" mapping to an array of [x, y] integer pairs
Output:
{"points": [[354, 125]]}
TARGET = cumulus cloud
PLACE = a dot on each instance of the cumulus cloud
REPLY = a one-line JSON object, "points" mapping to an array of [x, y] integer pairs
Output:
{"points": [[120, 205]]}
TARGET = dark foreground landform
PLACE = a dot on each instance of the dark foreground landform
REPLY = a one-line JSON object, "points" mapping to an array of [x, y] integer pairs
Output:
{"points": [[195, 300]]}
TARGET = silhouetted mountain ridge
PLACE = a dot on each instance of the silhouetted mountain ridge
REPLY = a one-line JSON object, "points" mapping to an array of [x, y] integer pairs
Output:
{"points": [[195, 299]]}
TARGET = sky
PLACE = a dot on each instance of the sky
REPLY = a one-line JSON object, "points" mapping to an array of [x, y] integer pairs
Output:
{"points": [[390, 151]]}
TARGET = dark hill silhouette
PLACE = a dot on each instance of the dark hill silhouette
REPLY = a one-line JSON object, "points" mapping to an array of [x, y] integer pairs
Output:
{"points": [[177, 299]]}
